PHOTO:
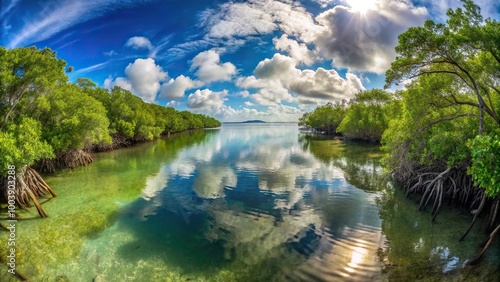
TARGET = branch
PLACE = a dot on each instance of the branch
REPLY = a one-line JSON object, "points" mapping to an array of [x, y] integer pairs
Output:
{"points": [[445, 119]]}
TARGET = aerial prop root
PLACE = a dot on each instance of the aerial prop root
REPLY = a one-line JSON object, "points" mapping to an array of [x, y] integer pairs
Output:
{"points": [[29, 186]]}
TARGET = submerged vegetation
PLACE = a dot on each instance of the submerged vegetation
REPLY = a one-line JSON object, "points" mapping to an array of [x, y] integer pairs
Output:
{"points": [[441, 133], [47, 122]]}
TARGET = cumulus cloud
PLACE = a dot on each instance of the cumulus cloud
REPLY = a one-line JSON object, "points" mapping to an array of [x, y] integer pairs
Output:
{"points": [[173, 103], [119, 81], [139, 42], [298, 51], [176, 88], [275, 113], [270, 91], [143, 79], [206, 99], [327, 85], [213, 104], [255, 17], [357, 41], [279, 67], [366, 41], [237, 19], [209, 67], [323, 3], [278, 78]]}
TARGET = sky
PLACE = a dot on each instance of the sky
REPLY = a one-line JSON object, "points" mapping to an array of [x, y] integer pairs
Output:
{"points": [[234, 60]]}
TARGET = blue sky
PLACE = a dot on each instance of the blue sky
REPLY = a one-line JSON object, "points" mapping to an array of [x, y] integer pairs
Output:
{"points": [[234, 60]]}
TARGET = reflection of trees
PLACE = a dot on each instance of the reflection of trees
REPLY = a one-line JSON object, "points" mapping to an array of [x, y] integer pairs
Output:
{"points": [[359, 170], [418, 246]]}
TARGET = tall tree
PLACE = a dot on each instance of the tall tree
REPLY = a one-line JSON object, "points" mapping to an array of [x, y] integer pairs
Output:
{"points": [[26, 73], [466, 47]]}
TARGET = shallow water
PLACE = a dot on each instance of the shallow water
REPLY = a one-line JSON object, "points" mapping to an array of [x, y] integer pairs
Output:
{"points": [[242, 203]]}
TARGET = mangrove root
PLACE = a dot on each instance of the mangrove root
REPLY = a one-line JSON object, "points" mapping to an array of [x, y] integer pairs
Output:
{"points": [[69, 159], [29, 187], [478, 211], [490, 240]]}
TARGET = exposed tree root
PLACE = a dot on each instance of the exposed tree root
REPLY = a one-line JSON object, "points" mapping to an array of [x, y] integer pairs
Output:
{"points": [[478, 211], [452, 184], [119, 141], [29, 187], [69, 159], [476, 259], [493, 215]]}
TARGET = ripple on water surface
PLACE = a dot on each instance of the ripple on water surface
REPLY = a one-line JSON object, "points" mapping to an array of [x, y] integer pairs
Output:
{"points": [[245, 203]]}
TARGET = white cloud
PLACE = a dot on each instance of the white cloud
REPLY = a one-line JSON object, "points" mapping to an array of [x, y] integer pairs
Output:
{"points": [[119, 81], [278, 78], [143, 79], [271, 90], [210, 69], [366, 41], [173, 103], [56, 16], [298, 51], [139, 42], [274, 113], [279, 67], [206, 99], [176, 88], [325, 85], [110, 53], [4, 10], [212, 103], [90, 68], [323, 3], [438, 8], [256, 17], [237, 19], [353, 40]]}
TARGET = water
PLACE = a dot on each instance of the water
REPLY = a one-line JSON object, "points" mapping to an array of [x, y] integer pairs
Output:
{"points": [[242, 203]]}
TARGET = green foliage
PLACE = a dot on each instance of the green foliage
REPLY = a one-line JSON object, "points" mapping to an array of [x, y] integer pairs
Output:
{"points": [[465, 48], [26, 73], [71, 119], [485, 168], [21, 144], [326, 118], [456, 66], [428, 129], [43, 114], [367, 116]]}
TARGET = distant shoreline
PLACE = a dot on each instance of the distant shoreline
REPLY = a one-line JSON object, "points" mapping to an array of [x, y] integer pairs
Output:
{"points": [[264, 122]]}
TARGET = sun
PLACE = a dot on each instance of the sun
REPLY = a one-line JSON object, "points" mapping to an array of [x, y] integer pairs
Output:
{"points": [[362, 6]]}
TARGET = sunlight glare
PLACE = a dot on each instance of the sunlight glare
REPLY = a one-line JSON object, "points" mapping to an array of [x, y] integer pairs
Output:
{"points": [[362, 6]]}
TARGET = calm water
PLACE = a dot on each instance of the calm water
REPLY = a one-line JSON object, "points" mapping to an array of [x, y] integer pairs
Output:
{"points": [[242, 203]]}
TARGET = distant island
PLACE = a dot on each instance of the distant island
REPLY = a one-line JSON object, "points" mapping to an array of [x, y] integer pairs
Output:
{"points": [[247, 121], [254, 121]]}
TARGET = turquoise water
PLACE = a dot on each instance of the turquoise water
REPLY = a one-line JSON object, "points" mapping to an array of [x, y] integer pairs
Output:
{"points": [[242, 203]]}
